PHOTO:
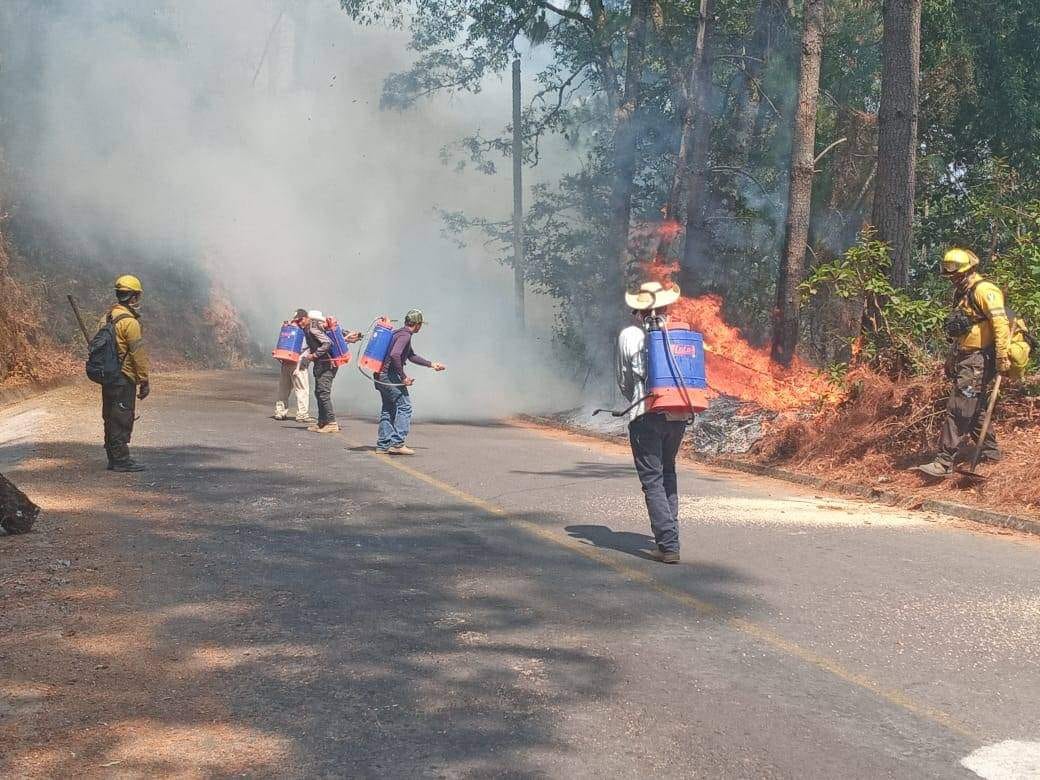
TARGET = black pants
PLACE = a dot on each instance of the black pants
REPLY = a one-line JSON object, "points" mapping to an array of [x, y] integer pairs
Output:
{"points": [[973, 374], [324, 375], [655, 443], [118, 401]]}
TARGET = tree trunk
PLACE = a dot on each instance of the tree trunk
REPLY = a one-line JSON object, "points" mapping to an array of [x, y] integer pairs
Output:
{"points": [[893, 211], [625, 137], [770, 18], [698, 74], [518, 198], [696, 168], [799, 199]]}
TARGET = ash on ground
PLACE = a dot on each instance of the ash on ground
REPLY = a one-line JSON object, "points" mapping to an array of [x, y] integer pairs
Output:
{"points": [[602, 424], [730, 426]]}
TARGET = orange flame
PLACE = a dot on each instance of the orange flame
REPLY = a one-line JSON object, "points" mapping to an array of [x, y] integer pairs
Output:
{"points": [[734, 366]]}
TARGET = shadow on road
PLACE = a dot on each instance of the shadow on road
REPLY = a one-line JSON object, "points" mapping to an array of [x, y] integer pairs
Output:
{"points": [[586, 470], [635, 544], [314, 614]]}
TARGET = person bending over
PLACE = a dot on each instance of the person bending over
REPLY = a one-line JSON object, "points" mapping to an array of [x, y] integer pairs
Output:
{"points": [[392, 382]]}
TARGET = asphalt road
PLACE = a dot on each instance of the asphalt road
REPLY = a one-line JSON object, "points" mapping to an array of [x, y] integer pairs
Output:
{"points": [[287, 604]]}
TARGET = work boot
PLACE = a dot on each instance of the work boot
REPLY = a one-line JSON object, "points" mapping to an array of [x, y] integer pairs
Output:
{"points": [[401, 449], [327, 428], [936, 469], [127, 466], [669, 556]]}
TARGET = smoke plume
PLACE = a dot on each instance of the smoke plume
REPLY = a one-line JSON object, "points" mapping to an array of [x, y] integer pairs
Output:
{"points": [[245, 136]]}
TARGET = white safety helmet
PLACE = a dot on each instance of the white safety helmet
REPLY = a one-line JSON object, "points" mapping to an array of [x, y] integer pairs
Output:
{"points": [[315, 315]]}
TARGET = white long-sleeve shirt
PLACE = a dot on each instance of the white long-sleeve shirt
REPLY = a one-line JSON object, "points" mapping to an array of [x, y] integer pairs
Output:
{"points": [[632, 371], [631, 367]]}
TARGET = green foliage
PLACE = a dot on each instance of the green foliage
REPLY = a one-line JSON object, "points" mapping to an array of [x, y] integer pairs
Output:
{"points": [[995, 210], [977, 182], [1017, 269], [897, 324]]}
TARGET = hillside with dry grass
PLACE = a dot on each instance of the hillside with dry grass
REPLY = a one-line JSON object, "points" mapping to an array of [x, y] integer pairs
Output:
{"points": [[189, 321]]}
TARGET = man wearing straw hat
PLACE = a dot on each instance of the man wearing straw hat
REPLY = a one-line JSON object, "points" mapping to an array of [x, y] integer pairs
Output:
{"points": [[655, 437]]}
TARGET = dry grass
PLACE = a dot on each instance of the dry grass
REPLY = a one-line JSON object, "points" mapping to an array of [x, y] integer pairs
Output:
{"points": [[27, 353], [185, 326], [884, 427]]}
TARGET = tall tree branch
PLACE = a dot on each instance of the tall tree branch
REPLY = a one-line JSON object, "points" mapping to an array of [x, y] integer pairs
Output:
{"points": [[565, 13]]}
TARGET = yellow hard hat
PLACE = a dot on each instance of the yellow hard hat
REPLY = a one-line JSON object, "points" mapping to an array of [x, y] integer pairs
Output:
{"points": [[959, 261], [128, 283]]}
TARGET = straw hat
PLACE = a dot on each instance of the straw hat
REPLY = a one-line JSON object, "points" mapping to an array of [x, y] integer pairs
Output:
{"points": [[652, 295]]}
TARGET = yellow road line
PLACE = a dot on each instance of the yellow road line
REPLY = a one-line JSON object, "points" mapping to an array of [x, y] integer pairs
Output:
{"points": [[759, 632]]}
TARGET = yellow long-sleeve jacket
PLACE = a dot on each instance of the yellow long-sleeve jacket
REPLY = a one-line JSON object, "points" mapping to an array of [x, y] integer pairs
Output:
{"points": [[130, 344], [994, 330]]}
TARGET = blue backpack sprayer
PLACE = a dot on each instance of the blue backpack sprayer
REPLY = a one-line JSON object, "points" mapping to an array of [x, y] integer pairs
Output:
{"points": [[339, 352], [291, 339], [374, 350], [290, 343], [676, 381]]}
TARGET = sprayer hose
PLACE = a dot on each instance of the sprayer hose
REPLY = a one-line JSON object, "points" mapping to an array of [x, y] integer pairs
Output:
{"points": [[684, 391]]}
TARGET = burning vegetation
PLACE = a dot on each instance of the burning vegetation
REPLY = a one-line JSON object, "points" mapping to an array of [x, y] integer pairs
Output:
{"points": [[737, 368]]}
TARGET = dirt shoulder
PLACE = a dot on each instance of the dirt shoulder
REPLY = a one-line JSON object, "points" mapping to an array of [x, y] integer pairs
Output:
{"points": [[81, 660]]}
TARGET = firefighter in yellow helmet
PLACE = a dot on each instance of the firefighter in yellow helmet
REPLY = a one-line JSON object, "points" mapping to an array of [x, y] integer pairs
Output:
{"points": [[981, 338], [119, 399]]}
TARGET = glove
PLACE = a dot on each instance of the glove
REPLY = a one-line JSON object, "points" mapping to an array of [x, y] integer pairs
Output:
{"points": [[143, 390], [1004, 365]]}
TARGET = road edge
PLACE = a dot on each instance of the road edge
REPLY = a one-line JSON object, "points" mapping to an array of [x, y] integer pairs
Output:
{"points": [[875, 495], [9, 396]]}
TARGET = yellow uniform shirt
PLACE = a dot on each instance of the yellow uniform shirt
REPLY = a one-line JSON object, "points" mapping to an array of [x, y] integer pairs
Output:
{"points": [[130, 344], [994, 331]]}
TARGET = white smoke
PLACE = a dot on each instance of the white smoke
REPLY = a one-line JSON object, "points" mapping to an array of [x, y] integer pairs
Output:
{"points": [[247, 134]]}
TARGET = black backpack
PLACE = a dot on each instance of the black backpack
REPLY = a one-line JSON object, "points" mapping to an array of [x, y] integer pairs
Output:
{"points": [[103, 363]]}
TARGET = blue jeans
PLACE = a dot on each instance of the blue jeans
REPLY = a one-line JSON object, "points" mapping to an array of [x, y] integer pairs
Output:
{"points": [[395, 419]]}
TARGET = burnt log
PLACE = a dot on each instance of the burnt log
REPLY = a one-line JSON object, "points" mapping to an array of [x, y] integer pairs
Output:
{"points": [[17, 512]]}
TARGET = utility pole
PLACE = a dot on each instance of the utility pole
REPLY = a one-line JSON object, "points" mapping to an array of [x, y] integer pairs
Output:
{"points": [[518, 198]]}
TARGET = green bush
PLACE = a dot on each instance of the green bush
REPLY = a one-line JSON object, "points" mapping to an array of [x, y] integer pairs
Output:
{"points": [[899, 331]]}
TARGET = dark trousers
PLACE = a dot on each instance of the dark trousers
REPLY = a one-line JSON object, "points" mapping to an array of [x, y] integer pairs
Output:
{"points": [[655, 444], [118, 401], [972, 374], [324, 375]]}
